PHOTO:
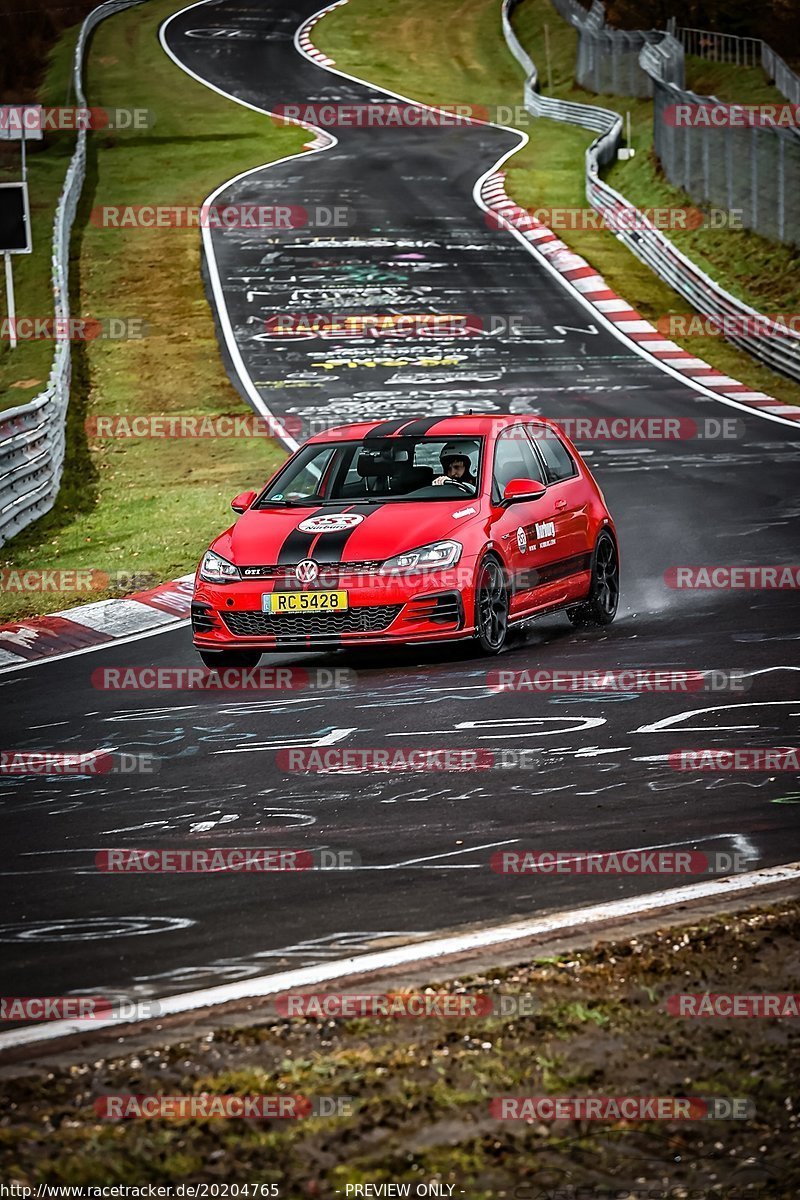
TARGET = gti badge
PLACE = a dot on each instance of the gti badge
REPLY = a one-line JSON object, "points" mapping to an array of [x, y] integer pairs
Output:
{"points": [[306, 571]]}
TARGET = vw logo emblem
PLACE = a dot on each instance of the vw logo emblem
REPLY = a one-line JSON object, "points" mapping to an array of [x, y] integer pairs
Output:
{"points": [[306, 571]]}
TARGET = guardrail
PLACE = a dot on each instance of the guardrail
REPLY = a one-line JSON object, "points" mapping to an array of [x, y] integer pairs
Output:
{"points": [[721, 47], [781, 74], [720, 153], [32, 436], [609, 59], [777, 348]]}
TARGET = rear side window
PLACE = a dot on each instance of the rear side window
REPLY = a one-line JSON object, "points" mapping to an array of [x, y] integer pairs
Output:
{"points": [[559, 461]]}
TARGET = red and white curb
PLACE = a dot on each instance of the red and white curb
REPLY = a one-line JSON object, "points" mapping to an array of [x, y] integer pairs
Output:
{"points": [[626, 320], [304, 36], [90, 626]]}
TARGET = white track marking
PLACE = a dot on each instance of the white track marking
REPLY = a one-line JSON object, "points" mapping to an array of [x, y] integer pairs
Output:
{"points": [[669, 722], [742, 843], [445, 854], [437, 949]]}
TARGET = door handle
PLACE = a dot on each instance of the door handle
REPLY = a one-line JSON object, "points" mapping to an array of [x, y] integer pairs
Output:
{"points": [[561, 504]]}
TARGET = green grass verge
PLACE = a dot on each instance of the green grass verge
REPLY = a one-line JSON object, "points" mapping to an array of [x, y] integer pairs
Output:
{"points": [[147, 507], [399, 45], [740, 85], [593, 1022]]}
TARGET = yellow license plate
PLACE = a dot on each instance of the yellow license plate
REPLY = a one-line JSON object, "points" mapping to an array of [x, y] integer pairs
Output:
{"points": [[300, 602]]}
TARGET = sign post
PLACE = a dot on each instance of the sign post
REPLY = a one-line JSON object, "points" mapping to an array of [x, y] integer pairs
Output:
{"points": [[12, 314]]}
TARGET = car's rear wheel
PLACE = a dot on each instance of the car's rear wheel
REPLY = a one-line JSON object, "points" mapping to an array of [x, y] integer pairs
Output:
{"points": [[601, 605], [491, 606], [224, 660]]}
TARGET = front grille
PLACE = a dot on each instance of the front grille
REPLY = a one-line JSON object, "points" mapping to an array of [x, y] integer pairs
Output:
{"points": [[366, 619], [335, 570]]}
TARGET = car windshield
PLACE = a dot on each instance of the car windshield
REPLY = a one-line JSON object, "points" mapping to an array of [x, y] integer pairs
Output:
{"points": [[378, 470]]}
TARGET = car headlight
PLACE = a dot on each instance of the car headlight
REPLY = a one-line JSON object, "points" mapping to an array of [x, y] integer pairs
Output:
{"points": [[437, 554], [215, 569]]}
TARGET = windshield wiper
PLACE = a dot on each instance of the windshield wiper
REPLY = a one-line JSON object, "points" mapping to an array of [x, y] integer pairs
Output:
{"points": [[288, 504]]}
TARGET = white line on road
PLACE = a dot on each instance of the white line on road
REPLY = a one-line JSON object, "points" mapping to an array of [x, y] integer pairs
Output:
{"points": [[435, 949]]}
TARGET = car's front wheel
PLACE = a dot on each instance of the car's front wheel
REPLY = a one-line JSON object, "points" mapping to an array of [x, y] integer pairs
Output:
{"points": [[601, 605], [491, 606], [224, 660]]}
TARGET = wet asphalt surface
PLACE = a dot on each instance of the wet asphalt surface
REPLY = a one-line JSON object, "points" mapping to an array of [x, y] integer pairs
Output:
{"points": [[414, 241]]}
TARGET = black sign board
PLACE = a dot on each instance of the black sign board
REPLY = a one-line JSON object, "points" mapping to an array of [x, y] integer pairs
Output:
{"points": [[15, 223]]}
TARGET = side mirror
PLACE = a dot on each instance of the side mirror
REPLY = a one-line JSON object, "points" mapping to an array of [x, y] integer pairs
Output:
{"points": [[242, 502], [517, 490]]}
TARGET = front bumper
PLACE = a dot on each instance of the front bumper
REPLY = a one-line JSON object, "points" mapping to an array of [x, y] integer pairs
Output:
{"points": [[435, 606]]}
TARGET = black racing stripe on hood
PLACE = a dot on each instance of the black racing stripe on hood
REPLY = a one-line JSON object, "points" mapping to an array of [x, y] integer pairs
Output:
{"points": [[330, 546], [297, 545]]}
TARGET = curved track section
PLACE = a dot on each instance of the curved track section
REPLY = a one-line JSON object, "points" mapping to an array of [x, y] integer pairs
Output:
{"points": [[415, 242]]}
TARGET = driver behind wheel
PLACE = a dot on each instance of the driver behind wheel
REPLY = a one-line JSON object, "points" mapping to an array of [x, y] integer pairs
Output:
{"points": [[456, 468]]}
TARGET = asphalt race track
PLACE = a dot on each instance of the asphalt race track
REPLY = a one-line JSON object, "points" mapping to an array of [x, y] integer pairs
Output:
{"points": [[415, 241]]}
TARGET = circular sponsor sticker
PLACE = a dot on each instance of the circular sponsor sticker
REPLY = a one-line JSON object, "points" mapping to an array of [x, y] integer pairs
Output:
{"points": [[522, 540], [335, 523]]}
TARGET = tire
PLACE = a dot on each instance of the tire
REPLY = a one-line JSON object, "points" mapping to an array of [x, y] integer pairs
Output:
{"points": [[223, 660], [600, 608], [491, 606]]}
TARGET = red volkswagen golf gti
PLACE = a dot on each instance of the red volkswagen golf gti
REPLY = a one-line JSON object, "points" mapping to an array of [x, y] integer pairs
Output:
{"points": [[409, 531]]}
